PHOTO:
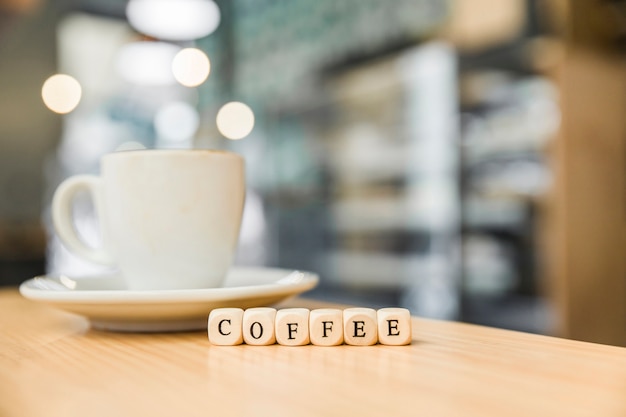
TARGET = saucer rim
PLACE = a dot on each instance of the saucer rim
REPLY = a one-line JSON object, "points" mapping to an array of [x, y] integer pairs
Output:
{"points": [[307, 281]]}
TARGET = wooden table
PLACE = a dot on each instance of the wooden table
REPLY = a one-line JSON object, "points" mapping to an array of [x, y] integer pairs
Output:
{"points": [[52, 364]]}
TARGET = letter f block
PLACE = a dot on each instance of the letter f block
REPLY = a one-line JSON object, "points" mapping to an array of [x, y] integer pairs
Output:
{"points": [[326, 327], [224, 326], [292, 326]]}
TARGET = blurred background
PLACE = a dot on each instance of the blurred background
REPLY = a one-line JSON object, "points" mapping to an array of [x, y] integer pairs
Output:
{"points": [[465, 159]]}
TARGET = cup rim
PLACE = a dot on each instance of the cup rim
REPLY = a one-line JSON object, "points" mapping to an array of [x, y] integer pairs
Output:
{"points": [[185, 152]]}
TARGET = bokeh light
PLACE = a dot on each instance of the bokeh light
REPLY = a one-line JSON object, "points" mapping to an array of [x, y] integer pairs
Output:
{"points": [[176, 122], [61, 93], [191, 67], [235, 120], [174, 20]]}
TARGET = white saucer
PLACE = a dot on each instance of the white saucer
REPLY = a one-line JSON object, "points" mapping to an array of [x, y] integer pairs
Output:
{"points": [[109, 306]]}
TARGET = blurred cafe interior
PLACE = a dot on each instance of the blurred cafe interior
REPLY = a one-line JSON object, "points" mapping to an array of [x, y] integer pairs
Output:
{"points": [[464, 159]]}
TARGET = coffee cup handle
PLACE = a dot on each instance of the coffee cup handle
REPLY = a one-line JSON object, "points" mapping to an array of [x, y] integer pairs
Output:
{"points": [[62, 216]]}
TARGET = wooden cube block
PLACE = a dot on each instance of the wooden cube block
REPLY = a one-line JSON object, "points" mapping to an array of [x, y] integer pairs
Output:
{"points": [[225, 326], [394, 326], [326, 327], [360, 327], [258, 326], [292, 326]]}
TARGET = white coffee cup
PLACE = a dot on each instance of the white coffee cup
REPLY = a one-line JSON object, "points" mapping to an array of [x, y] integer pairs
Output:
{"points": [[169, 219]]}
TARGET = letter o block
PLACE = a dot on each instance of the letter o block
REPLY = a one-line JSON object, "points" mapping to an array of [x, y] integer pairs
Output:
{"points": [[292, 326], [258, 326], [360, 327], [394, 326], [224, 326], [326, 327]]}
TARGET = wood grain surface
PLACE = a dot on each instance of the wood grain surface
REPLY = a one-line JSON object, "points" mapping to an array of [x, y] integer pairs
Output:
{"points": [[52, 364]]}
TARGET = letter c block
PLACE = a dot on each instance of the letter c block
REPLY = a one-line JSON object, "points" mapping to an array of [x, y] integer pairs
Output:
{"points": [[258, 326], [224, 326], [360, 327]]}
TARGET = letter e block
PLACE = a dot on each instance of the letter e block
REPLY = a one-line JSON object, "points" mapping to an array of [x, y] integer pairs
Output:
{"points": [[224, 326], [326, 327], [360, 327], [292, 326], [258, 326], [394, 326]]}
